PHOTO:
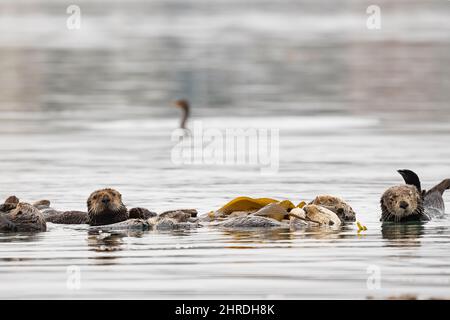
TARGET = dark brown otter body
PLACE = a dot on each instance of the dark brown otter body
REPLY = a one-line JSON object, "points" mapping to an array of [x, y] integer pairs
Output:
{"points": [[67, 217], [24, 218], [410, 203], [60, 217]]}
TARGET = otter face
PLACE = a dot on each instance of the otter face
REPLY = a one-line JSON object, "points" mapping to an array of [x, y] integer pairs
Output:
{"points": [[400, 202], [105, 207], [104, 200], [337, 205]]}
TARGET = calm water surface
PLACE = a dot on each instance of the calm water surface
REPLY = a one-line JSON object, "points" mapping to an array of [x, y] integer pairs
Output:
{"points": [[91, 108]]}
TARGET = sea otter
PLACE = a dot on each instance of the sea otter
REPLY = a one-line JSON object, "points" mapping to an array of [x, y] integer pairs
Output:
{"points": [[337, 205], [105, 207], [23, 218], [410, 203], [275, 215], [245, 212]]}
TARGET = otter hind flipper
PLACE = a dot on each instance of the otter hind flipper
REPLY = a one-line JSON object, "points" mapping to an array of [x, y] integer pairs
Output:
{"points": [[411, 178], [433, 200], [441, 187]]}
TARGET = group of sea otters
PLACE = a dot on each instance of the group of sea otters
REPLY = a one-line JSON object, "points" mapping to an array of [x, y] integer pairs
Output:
{"points": [[105, 209]]}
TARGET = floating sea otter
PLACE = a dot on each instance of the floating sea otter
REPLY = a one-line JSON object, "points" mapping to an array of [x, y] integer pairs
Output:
{"points": [[105, 211], [245, 212], [105, 207], [22, 218], [410, 203]]}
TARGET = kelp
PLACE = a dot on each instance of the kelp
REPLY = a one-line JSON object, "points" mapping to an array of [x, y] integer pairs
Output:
{"points": [[254, 204]]}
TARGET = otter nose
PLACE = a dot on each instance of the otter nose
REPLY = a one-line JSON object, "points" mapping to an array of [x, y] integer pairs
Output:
{"points": [[403, 204], [105, 200]]}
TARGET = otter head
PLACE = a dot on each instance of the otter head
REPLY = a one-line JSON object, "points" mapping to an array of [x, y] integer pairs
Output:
{"points": [[10, 204], [27, 218], [337, 205], [401, 203], [105, 207]]}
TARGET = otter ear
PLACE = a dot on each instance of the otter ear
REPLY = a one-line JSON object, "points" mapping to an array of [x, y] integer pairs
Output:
{"points": [[411, 178]]}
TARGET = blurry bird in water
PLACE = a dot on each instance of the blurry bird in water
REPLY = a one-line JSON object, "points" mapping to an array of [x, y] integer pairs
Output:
{"points": [[184, 106]]}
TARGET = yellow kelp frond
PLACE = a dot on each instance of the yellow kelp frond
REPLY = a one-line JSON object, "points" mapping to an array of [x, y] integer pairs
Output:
{"points": [[360, 227], [245, 204], [301, 204], [288, 205]]}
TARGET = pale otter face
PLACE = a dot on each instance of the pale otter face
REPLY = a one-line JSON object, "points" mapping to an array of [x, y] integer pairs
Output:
{"points": [[104, 201], [400, 201], [337, 205]]}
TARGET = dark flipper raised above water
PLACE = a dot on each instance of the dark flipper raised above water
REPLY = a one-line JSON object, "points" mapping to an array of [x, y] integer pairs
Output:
{"points": [[411, 178]]}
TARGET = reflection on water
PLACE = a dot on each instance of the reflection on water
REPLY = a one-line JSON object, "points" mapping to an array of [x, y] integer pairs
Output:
{"points": [[80, 110], [105, 242], [406, 235], [402, 231], [258, 236]]}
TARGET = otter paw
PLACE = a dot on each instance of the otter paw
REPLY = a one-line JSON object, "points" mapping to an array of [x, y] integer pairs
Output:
{"points": [[141, 213]]}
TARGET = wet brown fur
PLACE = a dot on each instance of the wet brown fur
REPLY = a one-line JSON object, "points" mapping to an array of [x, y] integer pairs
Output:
{"points": [[337, 205], [26, 218], [105, 207], [392, 199]]}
